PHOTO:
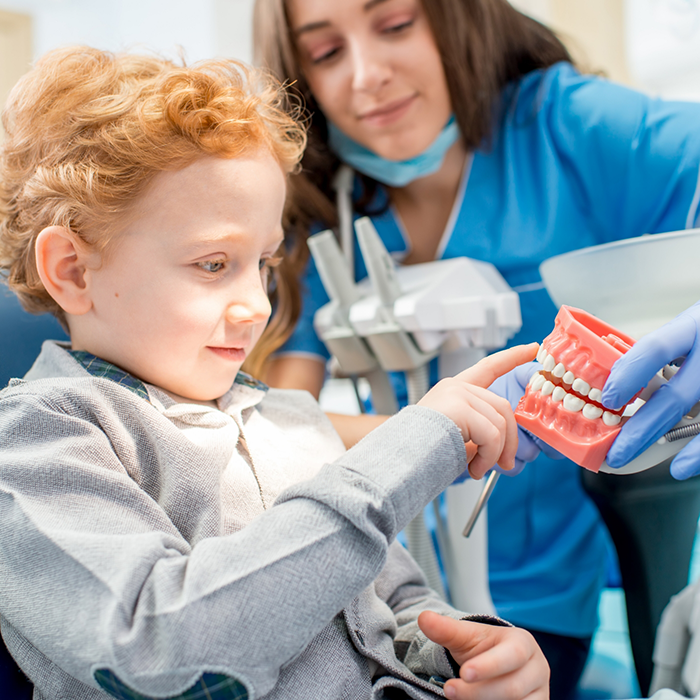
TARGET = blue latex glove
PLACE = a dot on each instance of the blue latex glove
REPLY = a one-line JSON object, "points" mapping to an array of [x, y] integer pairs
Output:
{"points": [[678, 338], [512, 387]]}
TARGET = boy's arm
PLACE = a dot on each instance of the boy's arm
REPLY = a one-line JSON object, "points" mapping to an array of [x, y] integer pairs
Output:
{"points": [[114, 585]]}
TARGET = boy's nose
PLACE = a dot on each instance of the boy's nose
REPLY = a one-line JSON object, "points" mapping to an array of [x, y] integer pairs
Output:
{"points": [[251, 303]]}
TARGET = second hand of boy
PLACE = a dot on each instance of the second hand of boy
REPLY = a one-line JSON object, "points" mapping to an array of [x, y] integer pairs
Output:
{"points": [[495, 662]]}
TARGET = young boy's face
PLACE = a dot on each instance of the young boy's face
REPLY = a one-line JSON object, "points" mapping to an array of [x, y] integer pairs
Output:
{"points": [[181, 298]]}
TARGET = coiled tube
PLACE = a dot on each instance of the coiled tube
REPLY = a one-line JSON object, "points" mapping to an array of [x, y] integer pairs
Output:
{"points": [[684, 431]]}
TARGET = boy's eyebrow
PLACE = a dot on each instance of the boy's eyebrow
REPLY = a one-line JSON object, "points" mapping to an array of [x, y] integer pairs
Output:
{"points": [[323, 24], [214, 240]]}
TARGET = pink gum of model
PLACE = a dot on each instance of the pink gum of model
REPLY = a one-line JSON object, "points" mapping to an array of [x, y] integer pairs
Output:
{"points": [[562, 402]]}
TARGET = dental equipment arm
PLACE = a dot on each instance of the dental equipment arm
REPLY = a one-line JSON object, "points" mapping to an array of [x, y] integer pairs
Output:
{"points": [[678, 338], [350, 350]]}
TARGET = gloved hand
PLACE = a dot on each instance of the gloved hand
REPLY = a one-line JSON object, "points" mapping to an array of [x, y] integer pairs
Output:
{"points": [[678, 338], [511, 386]]}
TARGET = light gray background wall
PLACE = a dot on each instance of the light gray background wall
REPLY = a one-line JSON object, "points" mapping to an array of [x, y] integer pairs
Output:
{"points": [[652, 44], [203, 28]]}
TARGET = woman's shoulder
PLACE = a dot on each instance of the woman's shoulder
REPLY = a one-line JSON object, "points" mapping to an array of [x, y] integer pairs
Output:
{"points": [[561, 99], [547, 86]]}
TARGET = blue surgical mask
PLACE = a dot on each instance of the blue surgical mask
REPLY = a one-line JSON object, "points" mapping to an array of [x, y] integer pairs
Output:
{"points": [[395, 173]]}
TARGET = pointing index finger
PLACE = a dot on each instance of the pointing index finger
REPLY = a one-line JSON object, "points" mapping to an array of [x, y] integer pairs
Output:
{"points": [[486, 371]]}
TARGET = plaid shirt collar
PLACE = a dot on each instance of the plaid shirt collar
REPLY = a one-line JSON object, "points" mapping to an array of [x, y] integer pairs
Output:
{"points": [[98, 367]]}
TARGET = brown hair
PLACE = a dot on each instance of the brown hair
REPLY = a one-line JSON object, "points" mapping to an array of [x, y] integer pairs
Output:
{"points": [[484, 44], [87, 130]]}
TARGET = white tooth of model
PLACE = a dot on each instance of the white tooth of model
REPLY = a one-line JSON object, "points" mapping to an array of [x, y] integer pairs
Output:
{"points": [[592, 412], [595, 395], [547, 388], [539, 382], [558, 394], [568, 378], [559, 371], [573, 403], [581, 387], [549, 363], [611, 419]]}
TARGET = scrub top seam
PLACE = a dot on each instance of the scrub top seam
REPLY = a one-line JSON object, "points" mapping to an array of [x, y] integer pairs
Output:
{"points": [[456, 207], [693, 211], [451, 221]]}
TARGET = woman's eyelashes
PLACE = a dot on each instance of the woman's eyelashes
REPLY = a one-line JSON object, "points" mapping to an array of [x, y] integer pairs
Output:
{"points": [[324, 53], [396, 27], [327, 51]]}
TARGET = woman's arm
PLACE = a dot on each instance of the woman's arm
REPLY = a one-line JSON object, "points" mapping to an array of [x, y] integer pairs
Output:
{"points": [[296, 372]]}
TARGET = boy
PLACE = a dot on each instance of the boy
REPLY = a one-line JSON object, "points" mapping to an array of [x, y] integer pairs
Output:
{"points": [[167, 529]]}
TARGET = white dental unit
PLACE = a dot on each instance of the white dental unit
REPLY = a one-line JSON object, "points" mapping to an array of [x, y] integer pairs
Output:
{"points": [[398, 319]]}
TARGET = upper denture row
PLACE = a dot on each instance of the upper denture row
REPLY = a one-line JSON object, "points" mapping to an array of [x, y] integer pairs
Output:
{"points": [[562, 384]]}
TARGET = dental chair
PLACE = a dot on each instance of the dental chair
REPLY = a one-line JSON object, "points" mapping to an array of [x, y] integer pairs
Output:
{"points": [[21, 336]]}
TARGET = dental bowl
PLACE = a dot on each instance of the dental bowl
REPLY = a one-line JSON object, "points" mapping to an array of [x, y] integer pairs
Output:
{"points": [[635, 285]]}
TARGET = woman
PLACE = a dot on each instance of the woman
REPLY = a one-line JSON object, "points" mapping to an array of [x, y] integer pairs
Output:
{"points": [[538, 160]]}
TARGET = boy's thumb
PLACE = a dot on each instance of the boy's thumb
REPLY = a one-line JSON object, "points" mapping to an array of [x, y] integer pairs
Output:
{"points": [[438, 628]]}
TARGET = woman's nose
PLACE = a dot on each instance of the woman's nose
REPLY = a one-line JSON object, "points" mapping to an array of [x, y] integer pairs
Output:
{"points": [[370, 68]]}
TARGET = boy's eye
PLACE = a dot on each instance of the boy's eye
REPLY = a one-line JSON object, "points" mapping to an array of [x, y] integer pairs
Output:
{"points": [[268, 263], [212, 266]]}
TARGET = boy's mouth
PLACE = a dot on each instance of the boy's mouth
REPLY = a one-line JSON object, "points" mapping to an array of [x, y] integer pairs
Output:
{"points": [[562, 402], [232, 354]]}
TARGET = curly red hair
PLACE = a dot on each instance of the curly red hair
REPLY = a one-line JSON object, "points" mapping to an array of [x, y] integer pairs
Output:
{"points": [[86, 131]]}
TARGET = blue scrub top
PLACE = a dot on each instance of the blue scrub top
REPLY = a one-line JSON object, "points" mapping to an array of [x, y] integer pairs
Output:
{"points": [[575, 161]]}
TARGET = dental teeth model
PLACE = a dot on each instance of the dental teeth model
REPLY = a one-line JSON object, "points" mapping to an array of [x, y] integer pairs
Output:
{"points": [[562, 402]]}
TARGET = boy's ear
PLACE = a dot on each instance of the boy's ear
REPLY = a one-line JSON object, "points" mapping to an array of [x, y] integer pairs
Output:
{"points": [[61, 259]]}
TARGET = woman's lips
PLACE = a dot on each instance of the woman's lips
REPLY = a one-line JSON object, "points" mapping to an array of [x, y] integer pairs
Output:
{"points": [[232, 354], [389, 113]]}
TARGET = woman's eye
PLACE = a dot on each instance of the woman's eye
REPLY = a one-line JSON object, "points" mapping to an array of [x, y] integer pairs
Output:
{"points": [[212, 266], [398, 27], [323, 56]]}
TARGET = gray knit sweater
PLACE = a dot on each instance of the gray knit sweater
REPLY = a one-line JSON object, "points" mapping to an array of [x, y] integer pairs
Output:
{"points": [[161, 541]]}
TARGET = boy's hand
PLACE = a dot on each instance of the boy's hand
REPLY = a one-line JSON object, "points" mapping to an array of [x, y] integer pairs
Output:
{"points": [[496, 663], [484, 418]]}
